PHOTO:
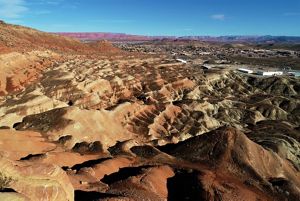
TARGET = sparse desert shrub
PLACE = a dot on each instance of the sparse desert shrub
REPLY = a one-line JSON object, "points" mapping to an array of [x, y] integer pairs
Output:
{"points": [[4, 181]]}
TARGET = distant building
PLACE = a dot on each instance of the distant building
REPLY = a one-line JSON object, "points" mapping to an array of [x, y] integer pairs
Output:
{"points": [[222, 62], [206, 67], [244, 70], [182, 61], [294, 73], [286, 68], [205, 53], [269, 73]]}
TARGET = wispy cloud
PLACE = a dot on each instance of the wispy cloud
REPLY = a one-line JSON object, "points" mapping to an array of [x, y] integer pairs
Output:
{"points": [[47, 2], [53, 2], [12, 9], [220, 17]]}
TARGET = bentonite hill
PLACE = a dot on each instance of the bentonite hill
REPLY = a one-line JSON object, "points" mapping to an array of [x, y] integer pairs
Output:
{"points": [[92, 121]]}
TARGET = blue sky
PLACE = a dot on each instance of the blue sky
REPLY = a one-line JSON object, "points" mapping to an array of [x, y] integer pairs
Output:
{"points": [[157, 17]]}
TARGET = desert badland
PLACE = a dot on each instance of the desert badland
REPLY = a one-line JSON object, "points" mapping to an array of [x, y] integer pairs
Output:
{"points": [[154, 119]]}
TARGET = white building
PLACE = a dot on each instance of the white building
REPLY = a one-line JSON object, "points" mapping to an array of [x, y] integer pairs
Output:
{"points": [[206, 67], [205, 53], [244, 70], [269, 73], [182, 61]]}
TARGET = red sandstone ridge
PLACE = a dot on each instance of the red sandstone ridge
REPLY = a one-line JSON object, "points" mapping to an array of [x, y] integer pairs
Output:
{"points": [[20, 39], [104, 46], [26, 53], [20, 69], [107, 36], [94, 36]]}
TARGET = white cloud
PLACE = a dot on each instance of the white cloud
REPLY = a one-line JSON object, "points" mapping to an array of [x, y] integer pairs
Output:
{"points": [[53, 2], [218, 17], [46, 2], [12, 9]]}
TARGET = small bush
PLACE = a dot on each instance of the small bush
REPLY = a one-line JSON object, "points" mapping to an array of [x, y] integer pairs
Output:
{"points": [[4, 181]]}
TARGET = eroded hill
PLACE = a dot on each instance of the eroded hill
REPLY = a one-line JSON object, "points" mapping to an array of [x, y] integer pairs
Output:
{"points": [[146, 127]]}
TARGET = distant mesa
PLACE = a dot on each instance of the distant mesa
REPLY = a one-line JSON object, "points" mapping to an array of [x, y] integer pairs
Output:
{"points": [[106, 36], [22, 39], [91, 36], [105, 46]]}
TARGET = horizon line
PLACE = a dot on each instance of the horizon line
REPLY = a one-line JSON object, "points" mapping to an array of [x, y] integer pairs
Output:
{"points": [[174, 36], [162, 35]]}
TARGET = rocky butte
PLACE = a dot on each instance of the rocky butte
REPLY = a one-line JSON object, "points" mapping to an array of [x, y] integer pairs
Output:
{"points": [[97, 121]]}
